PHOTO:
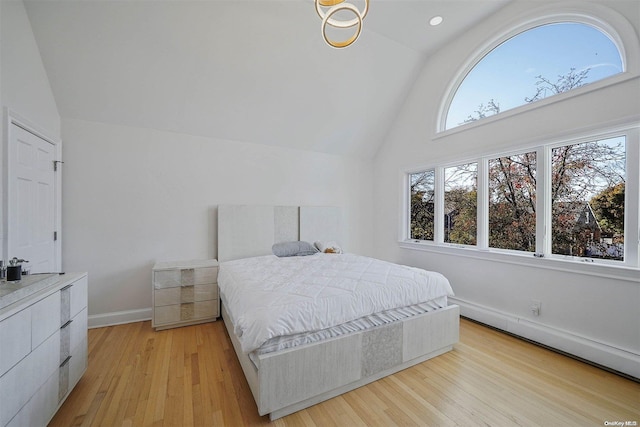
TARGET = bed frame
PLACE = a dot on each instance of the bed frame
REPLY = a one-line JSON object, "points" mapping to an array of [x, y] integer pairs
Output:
{"points": [[289, 380]]}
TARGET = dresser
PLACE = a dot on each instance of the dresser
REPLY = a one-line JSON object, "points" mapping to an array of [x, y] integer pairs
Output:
{"points": [[185, 293], [43, 346]]}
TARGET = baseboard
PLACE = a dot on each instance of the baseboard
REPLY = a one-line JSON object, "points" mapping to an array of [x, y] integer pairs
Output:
{"points": [[604, 355], [119, 317]]}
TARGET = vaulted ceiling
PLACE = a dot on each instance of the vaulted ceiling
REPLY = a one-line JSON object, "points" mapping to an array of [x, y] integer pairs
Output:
{"points": [[242, 70]]}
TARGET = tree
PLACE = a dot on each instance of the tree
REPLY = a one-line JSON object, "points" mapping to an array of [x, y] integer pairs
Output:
{"points": [[564, 83], [544, 88], [578, 172], [461, 208], [608, 206], [460, 204], [422, 205], [512, 202], [483, 111]]}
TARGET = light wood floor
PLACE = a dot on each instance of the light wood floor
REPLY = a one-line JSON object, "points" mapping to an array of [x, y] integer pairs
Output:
{"points": [[190, 377]]}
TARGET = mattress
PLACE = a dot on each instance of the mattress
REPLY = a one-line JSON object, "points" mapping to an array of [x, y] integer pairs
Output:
{"points": [[361, 324], [269, 297]]}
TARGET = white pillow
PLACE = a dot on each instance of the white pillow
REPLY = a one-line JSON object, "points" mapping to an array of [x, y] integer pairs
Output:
{"points": [[328, 247]]}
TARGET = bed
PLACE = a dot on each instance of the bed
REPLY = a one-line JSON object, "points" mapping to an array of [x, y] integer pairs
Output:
{"points": [[339, 353]]}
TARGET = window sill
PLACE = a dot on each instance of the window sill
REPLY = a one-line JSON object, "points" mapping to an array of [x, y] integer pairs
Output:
{"points": [[571, 265]]}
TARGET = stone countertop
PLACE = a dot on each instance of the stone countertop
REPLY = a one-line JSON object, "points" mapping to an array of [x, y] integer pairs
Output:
{"points": [[11, 292]]}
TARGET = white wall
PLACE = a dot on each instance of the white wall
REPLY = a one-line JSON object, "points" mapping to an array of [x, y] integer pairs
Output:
{"points": [[133, 196], [594, 317], [24, 85]]}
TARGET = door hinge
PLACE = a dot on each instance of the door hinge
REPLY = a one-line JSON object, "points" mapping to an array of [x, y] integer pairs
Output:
{"points": [[55, 164], [55, 236]]}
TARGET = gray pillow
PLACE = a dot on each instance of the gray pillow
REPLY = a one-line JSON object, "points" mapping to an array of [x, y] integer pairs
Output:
{"points": [[297, 248]]}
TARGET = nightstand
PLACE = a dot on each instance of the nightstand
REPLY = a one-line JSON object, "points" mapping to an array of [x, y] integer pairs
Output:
{"points": [[185, 293]]}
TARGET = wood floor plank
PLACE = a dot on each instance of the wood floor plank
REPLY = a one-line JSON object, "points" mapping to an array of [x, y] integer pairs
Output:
{"points": [[190, 376], [368, 407]]}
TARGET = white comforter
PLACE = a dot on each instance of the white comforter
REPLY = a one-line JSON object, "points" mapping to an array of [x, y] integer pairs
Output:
{"points": [[269, 296]]}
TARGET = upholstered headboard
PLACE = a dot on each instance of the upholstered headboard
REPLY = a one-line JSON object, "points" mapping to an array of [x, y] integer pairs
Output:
{"points": [[247, 230]]}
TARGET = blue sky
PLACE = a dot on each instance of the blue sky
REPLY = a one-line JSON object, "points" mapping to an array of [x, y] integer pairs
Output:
{"points": [[508, 73]]}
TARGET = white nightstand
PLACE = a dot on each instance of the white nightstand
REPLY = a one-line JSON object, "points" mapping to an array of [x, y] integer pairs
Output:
{"points": [[185, 293]]}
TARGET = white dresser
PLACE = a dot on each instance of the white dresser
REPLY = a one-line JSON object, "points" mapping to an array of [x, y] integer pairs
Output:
{"points": [[185, 293], [43, 346]]}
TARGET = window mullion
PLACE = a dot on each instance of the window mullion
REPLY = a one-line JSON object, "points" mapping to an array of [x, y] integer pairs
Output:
{"points": [[405, 231], [483, 204], [543, 202], [438, 232]]}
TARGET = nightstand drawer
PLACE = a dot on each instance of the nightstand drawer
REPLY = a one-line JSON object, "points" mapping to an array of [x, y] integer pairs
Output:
{"points": [[186, 312], [185, 294], [184, 277]]}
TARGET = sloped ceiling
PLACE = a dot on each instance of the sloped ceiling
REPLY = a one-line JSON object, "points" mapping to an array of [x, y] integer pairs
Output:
{"points": [[243, 70]]}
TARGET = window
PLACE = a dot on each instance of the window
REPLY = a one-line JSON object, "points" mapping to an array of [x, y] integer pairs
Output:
{"points": [[572, 200], [422, 188], [587, 195], [535, 64], [460, 204], [512, 202]]}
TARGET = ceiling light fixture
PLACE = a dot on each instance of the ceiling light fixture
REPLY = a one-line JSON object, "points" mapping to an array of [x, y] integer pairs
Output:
{"points": [[436, 20], [327, 9]]}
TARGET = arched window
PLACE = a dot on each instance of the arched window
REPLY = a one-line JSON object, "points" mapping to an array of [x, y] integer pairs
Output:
{"points": [[537, 63]]}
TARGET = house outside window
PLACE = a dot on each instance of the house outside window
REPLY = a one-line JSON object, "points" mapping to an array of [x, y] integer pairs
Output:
{"points": [[588, 199]]}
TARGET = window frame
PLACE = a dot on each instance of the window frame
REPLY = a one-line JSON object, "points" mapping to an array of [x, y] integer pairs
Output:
{"points": [[625, 36], [626, 269]]}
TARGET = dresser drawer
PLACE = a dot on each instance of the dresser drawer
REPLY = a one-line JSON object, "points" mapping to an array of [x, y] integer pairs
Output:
{"points": [[20, 383], [78, 364], [72, 333], [186, 312], [37, 412], [15, 338], [79, 296], [45, 318]]}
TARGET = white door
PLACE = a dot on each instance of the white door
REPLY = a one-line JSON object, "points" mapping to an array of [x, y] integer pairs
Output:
{"points": [[31, 200]]}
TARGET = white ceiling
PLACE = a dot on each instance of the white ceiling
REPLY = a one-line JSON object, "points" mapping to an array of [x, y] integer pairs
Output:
{"points": [[243, 70]]}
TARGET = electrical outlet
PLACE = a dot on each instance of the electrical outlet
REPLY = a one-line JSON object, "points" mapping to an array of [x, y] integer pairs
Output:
{"points": [[536, 306]]}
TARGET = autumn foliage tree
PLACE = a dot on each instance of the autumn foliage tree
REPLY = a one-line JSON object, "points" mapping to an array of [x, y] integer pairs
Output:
{"points": [[461, 224], [512, 202], [422, 205], [608, 206], [579, 172]]}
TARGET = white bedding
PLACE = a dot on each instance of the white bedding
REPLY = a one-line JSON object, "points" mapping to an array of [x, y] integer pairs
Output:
{"points": [[267, 296]]}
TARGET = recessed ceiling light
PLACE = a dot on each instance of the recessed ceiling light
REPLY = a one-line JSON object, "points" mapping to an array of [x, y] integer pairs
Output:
{"points": [[436, 20]]}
